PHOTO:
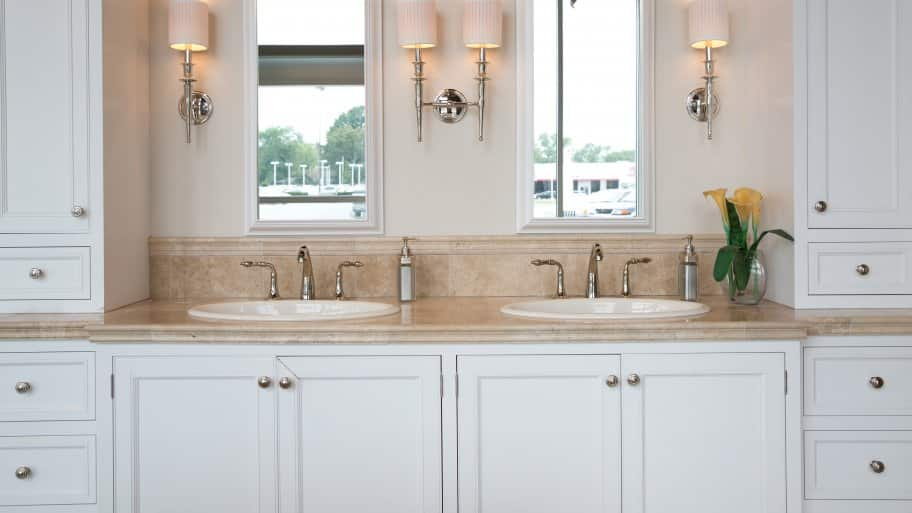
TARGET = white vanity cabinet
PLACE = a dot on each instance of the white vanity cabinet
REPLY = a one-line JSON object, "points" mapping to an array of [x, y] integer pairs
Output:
{"points": [[194, 434], [360, 434], [853, 173], [683, 432]]}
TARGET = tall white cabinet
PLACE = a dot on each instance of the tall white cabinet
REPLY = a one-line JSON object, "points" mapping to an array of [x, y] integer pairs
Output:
{"points": [[853, 167], [56, 171]]}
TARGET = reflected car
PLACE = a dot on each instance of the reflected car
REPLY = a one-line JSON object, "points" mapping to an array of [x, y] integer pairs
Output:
{"points": [[546, 195], [613, 202]]}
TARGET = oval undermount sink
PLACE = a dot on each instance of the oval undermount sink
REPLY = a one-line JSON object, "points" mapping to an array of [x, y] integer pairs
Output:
{"points": [[292, 310], [605, 309]]}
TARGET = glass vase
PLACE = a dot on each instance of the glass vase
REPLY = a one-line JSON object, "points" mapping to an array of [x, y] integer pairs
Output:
{"points": [[755, 290]]}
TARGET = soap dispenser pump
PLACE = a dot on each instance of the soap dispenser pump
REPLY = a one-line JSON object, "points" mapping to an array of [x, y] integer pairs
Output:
{"points": [[406, 273], [689, 272]]}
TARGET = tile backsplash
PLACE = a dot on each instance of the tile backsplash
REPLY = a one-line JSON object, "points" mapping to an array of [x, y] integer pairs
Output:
{"points": [[445, 266]]}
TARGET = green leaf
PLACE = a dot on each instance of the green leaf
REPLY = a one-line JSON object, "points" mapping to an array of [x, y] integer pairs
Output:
{"points": [[736, 236], [723, 262], [781, 233], [741, 266]]}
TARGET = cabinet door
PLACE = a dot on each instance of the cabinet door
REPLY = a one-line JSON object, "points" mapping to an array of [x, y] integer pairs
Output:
{"points": [[360, 434], [44, 121], [859, 121], [194, 434], [704, 433], [539, 434]]}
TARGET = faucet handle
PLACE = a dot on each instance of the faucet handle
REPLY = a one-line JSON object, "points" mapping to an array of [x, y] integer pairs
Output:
{"points": [[340, 292], [561, 290], [349, 263], [273, 276]]}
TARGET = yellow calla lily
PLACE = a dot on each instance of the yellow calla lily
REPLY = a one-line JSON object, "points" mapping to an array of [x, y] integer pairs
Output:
{"points": [[744, 212], [718, 195], [753, 197]]}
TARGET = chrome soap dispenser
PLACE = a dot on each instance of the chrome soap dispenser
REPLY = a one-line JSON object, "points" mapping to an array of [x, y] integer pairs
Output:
{"points": [[689, 273], [406, 273]]}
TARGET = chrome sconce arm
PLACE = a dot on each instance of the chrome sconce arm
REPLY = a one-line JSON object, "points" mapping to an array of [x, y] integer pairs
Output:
{"points": [[702, 103], [450, 104], [197, 103]]}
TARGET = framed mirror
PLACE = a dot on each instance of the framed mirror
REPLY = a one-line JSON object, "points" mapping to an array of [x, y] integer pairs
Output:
{"points": [[314, 116]]}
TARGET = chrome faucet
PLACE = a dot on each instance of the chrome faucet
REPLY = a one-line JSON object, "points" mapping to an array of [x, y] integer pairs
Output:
{"points": [[592, 277], [633, 261], [273, 276], [561, 290], [308, 290], [340, 293]]}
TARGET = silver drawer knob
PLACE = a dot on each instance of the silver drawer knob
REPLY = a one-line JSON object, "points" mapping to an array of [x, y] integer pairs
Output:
{"points": [[876, 382], [878, 467], [23, 473], [23, 387], [612, 381], [821, 206], [35, 273], [633, 379], [77, 211], [285, 383], [863, 269], [264, 381]]}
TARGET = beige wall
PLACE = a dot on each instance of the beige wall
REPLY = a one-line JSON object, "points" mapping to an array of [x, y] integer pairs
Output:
{"points": [[431, 189]]}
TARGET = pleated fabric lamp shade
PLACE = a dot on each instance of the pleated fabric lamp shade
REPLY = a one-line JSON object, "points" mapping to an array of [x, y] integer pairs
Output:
{"points": [[482, 23], [708, 24], [188, 25], [417, 23]]}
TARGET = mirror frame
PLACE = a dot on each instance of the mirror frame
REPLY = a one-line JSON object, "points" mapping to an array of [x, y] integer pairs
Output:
{"points": [[372, 224], [526, 222]]}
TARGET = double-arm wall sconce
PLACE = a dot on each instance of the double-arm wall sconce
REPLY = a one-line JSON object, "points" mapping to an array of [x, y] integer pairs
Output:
{"points": [[188, 32], [482, 30], [708, 30]]}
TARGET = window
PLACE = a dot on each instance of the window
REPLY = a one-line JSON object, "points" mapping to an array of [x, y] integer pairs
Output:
{"points": [[317, 165], [584, 136]]}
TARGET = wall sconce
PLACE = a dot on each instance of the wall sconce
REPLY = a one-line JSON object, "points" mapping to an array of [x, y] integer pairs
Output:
{"points": [[708, 30], [188, 31], [482, 30]]}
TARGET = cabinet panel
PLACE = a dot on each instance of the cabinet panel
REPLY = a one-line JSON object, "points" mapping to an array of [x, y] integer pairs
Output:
{"points": [[47, 386], [704, 433], [858, 139], [858, 381], [61, 470], [44, 120], [539, 434], [62, 273], [194, 434], [869, 268], [843, 465], [360, 434]]}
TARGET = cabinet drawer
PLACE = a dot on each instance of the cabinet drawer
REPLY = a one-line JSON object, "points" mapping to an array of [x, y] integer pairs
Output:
{"points": [[47, 470], [870, 268], [858, 465], [47, 386], [44, 273], [858, 381]]}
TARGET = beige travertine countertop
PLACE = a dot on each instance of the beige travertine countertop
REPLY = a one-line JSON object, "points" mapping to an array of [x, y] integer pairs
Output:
{"points": [[438, 320]]}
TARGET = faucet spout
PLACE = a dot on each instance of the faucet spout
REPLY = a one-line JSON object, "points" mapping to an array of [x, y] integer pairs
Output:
{"points": [[307, 275], [592, 276]]}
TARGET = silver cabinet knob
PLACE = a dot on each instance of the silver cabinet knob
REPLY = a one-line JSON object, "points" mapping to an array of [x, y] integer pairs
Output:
{"points": [[876, 382], [23, 387], [863, 269], [612, 381], [23, 473], [821, 206], [264, 381], [35, 273], [285, 383], [633, 379], [878, 467], [77, 211]]}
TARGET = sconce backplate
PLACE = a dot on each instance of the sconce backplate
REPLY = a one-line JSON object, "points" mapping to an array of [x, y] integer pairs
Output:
{"points": [[696, 105], [201, 108], [451, 105]]}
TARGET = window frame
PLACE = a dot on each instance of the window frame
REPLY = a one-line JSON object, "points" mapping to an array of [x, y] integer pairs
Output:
{"points": [[372, 224], [525, 143]]}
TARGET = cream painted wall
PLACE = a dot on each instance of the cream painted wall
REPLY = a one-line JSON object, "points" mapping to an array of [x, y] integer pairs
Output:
{"points": [[431, 189]]}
